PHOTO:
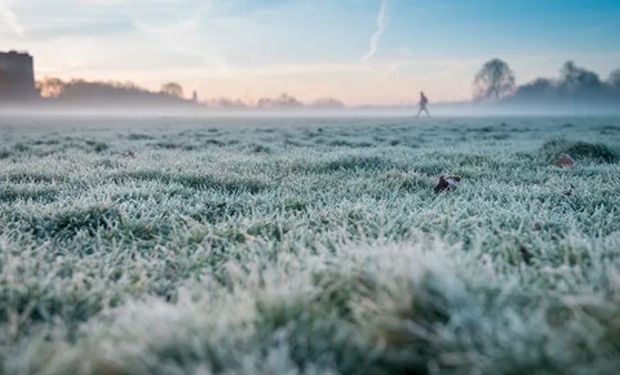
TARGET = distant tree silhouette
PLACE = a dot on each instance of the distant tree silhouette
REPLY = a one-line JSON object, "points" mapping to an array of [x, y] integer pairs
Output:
{"points": [[574, 79], [614, 79], [494, 81], [576, 87], [97, 93], [327, 103], [227, 103], [539, 89], [283, 101], [172, 89]]}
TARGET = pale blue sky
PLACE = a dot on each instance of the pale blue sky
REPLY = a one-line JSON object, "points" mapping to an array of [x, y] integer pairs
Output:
{"points": [[362, 51]]}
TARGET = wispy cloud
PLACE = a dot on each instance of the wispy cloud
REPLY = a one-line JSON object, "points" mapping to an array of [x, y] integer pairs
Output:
{"points": [[10, 19], [373, 44]]}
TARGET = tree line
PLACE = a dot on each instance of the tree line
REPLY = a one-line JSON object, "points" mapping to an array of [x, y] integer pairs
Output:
{"points": [[495, 83]]}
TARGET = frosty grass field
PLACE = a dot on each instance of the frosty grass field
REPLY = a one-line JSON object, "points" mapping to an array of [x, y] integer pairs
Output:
{"points": [[308, 246]]}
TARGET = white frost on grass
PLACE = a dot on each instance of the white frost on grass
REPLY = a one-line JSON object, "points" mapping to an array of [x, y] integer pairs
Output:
{"points": [[330, 253]]}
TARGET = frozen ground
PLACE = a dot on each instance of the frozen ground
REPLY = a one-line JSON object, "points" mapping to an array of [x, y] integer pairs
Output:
{"points": [[308, 246]]}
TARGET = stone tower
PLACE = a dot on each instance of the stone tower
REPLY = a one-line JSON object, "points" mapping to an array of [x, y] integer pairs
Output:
{"points": [[16, 77]]}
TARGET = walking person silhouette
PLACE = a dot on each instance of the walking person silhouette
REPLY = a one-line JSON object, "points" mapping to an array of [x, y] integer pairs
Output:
{"points": [[423, 104]]}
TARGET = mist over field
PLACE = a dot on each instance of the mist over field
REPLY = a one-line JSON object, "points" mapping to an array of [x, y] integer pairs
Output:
{"points": [[142, 245]]}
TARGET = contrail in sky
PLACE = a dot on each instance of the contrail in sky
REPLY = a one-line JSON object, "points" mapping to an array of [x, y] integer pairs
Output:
{"points": [[376, 37], [8, 17]]}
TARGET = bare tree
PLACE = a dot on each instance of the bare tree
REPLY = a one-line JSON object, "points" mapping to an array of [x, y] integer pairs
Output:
{"points": [[494, 81], [172, 89]]}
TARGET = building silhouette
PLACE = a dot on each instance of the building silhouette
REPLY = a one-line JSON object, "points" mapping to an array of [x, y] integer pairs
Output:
{"points": [[17, 77]]}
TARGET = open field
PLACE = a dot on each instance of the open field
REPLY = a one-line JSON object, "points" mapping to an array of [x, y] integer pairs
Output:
{"points": [[309, 246]]}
